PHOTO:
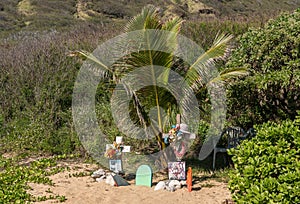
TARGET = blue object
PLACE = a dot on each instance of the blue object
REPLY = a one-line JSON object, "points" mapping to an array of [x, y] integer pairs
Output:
{"points": [[166, 140]]}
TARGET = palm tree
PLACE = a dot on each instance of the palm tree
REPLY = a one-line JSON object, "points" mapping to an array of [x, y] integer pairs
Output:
{"points": [[149, 96]]}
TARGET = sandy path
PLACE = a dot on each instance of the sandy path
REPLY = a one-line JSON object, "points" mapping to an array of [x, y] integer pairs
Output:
{"points": [[81, 190]]}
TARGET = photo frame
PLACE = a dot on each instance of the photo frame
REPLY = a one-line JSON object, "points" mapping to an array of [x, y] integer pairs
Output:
{"points": [[176, 170], [115, 165]]}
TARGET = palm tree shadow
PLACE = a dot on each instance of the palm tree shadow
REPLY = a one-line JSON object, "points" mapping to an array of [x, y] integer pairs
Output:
{"points": [[222, 161], [196, 188]]}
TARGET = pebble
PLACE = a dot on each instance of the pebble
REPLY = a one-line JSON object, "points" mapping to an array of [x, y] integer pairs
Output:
{"points": [[102, 178], [174, 184], [160, 186], [98, 173], [168, 188], [110, 180]]}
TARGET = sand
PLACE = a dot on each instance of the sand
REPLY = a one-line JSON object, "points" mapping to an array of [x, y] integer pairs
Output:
{"points": [[81, 190]]}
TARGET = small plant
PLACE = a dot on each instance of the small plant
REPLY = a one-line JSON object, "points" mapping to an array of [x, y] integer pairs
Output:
{"points": [[48, 190], [15, 176], [80, 174]]}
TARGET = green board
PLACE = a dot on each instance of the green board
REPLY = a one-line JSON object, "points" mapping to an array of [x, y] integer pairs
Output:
{"points": [[143, 176]]}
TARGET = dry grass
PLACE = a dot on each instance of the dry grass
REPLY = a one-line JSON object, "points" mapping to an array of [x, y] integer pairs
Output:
{"points": [[26, 8]]}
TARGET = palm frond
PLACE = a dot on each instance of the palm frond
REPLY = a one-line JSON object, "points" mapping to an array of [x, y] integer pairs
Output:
{"points": [[233, 73], [219, 49], [173, 25], [229, 75], [221, 46], [147, 19], [202, 70], [154, 41], [94, 59]]}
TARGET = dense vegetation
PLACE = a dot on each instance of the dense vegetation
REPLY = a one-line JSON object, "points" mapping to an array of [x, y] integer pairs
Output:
{"points": [[267, 167], [38, 69], [37, 76], [271, 54]]}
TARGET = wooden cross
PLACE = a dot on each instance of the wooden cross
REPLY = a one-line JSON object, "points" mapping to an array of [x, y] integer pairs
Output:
{"points": [[114, 154]]}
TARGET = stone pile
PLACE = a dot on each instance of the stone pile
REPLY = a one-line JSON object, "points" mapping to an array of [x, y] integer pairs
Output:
{"points": [[102, 176], [110, 178], [115, 180]]}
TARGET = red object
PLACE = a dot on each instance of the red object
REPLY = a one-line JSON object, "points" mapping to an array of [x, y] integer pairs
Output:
{"points": [[189, 179]]}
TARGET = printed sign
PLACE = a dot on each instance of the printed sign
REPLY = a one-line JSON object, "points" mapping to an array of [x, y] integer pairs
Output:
{"points": [[176, 170]]}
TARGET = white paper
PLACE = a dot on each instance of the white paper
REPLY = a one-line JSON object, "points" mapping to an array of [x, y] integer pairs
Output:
{"points": [[126, 149], [119, 139], [192, 136]]}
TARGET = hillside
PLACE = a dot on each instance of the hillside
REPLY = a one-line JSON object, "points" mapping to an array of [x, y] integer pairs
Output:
{"points": [[16, 15]]}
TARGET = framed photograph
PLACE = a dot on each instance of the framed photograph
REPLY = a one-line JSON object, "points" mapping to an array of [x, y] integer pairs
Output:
{"points": [[115, 165], [176, 170]]}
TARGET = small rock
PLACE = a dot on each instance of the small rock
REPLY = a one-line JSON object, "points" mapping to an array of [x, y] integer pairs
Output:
{"points": [[110, 180], [98, 173], [183, 182], [102, 178], [160, 186], [95, 176], [167, 182], [168, 188], [174, 184]]}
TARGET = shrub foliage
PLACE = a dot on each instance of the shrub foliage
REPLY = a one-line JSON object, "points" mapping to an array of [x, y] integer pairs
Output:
{"points": [[267, 168], [271, 54]]}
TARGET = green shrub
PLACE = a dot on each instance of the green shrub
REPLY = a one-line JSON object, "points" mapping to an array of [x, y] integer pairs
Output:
{"points": [[271, 55], [267, 168]]}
